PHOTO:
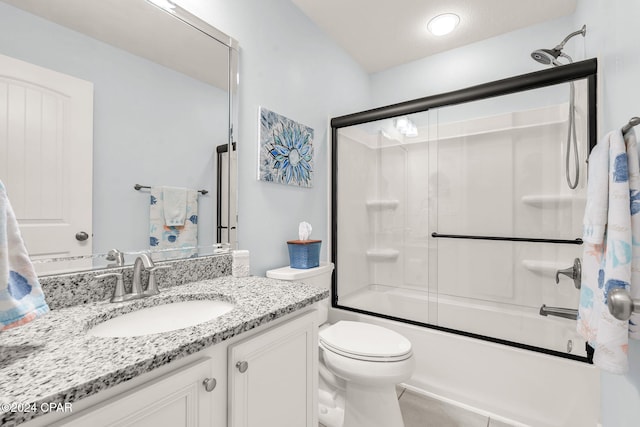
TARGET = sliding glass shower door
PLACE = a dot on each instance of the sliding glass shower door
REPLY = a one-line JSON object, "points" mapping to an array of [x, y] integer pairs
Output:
{"points": [[460, 217]]}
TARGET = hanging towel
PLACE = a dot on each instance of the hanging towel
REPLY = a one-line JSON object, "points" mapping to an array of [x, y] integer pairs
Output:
{"points": [[21, 297], [183, 239], [175, 205], [607, 253], [634, 195]]}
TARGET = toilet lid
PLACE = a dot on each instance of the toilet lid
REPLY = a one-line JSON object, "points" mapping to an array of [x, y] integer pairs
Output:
{"points": [[365, 341]]}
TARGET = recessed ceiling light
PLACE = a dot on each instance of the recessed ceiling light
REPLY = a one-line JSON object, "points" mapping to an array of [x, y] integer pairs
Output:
{"points": [[443, 24]]}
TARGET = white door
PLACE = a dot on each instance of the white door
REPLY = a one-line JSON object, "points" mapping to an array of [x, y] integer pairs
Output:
{"points": [[46, 149]]}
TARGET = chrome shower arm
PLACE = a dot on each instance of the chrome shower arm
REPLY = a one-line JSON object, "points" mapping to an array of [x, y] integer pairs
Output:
{"points": [[582, 31]]}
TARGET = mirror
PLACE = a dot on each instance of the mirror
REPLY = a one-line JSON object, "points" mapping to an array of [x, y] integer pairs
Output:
{"points": [[103, 95]]}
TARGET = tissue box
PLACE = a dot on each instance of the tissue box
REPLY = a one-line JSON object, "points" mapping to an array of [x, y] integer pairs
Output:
{"points": [[304, 253]]}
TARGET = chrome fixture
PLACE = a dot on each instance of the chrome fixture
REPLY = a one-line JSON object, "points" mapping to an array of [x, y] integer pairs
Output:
{"points": [[119, 293], [567, 313], [574, 272], [633, 121], [621, 305], [117, 256], [550, 57], [140, 187], [143, 261]]}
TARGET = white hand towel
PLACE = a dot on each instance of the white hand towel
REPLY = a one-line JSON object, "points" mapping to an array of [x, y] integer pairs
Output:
{"points": [[21, 297], [175, 205], [170, 242], [607, 264]]}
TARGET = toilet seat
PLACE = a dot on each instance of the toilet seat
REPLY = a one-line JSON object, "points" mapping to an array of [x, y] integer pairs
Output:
{"points": [[364, 341]]}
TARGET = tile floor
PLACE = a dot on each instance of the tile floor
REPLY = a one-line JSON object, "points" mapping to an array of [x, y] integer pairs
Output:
{"points": [[422, 411]]}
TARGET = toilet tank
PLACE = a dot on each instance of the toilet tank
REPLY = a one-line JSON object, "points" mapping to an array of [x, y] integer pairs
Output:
{"points": [[317, 276]]}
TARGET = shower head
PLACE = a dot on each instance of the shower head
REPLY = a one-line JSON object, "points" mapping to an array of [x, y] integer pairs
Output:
{"points": [[545, 56], [550, 56]]}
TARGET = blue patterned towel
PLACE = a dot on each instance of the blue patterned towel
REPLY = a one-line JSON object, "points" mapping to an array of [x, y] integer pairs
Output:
{"points": [[608, 254], [21, 297]]}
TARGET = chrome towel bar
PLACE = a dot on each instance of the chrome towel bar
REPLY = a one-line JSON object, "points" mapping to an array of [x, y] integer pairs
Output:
{"points": [[621, 305], [138, 187]]}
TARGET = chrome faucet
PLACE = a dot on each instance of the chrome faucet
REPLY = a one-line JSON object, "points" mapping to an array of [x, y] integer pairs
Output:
{"points": [[136, 285], [145, 261]]}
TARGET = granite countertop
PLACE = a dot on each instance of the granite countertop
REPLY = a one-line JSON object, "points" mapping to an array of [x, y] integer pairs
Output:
{"points": [[54, 360]]}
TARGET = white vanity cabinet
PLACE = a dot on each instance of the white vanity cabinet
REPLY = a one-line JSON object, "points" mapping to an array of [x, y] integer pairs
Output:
{"points": [[278, 388], [273, 376], [177, 399]]}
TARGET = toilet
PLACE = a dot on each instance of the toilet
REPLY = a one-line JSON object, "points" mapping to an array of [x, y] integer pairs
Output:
{"points": [[360, 363]]}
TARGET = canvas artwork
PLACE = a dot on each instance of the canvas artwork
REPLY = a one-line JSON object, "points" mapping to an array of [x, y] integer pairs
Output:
{"points": [[285, 150]]}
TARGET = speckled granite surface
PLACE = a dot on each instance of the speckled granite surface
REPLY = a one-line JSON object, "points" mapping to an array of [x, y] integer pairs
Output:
{"points": [[66, 290], [52, 359]]}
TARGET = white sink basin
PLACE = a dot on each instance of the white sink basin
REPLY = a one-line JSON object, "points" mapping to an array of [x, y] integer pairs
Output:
{"points": [[161, 318]]}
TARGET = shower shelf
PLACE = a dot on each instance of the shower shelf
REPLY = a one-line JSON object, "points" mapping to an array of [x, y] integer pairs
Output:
{"points": [[383, 254], [382, 204], [484, 132], [550, 200], [545, 268]]}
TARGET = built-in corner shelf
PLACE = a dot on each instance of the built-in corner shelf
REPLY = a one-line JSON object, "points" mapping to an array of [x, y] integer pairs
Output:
{"points": [[386, 254], [543, 268], [550, 200], [379, 205]]}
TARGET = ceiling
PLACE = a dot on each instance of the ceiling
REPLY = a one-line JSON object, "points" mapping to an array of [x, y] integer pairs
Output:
{"points": [[381, 34]]}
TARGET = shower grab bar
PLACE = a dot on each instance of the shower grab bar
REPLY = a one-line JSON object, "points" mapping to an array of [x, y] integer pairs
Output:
{"points": [[634, 121], [509, 239], [567, 313], [138, 187], [621, 305]]}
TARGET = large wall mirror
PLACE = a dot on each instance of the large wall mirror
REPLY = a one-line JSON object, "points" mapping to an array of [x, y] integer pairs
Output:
{"points": [[101, 100]]}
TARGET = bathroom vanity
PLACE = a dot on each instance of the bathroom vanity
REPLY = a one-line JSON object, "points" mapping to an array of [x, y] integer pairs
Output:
{"points": [[251, 366]]}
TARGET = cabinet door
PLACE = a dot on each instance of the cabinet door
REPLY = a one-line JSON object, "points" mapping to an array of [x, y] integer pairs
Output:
{"points": [[273, 376], [176, 399]]}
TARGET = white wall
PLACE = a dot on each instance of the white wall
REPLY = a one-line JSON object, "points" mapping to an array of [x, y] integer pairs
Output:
{"points": [[612, 37], [288, 66]]}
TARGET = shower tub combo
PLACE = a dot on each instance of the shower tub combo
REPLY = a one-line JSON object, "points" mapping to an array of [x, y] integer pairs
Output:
{"points": [[457, 221]]}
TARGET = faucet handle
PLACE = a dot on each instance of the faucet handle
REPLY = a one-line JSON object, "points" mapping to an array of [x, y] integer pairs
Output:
{"points": [[152, 286], [117, 256], [118, 292], [574, 272]]}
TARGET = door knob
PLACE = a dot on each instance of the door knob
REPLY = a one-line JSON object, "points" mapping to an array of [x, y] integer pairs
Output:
{"points": [[242, 366], [209, 384], [81, 236]]}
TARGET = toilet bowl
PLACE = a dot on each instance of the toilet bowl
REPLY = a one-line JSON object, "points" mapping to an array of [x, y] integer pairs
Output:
{"points": [[360, 363]]}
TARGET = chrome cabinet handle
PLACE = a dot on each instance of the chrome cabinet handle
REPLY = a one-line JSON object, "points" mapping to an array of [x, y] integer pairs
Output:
{"points": [[209, 384], [242, 366], [81, 236]]}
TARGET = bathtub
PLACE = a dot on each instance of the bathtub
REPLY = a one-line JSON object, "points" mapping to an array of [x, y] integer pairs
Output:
{"points": [[517, 386]]}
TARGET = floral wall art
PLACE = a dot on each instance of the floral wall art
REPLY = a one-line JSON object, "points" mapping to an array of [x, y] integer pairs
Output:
{"points": [[285, 150]]}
